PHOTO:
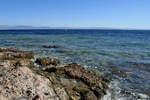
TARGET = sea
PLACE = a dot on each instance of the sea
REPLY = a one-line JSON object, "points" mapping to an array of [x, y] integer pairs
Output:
{"points": [[121, 55]]}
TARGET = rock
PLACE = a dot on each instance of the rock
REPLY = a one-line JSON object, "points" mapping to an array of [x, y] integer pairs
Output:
{"points": [[61, 92], [85, 93], [11, 54], [77, 80], [97, 84], [63, 51], [10, 50], [51, 46], [21, 98], [47, 61], [24, 82], [20, 80], [24, 62], [28, 55]]}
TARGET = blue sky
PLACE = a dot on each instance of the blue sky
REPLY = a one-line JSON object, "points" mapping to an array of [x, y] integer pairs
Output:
{"points": [[76, 13]]}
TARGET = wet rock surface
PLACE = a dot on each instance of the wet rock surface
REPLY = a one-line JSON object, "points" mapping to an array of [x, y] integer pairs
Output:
{"points": [[80, 83], [47, 61], [11, 54], [21, 80]]}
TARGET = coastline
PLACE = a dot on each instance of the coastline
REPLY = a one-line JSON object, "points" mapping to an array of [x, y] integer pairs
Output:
{"points": [[21, 79]]}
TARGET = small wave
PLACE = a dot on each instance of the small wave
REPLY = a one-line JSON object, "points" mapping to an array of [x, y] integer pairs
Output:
{"points": [[116, 93]]}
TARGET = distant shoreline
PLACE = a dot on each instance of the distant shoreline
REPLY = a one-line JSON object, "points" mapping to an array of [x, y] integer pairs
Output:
{"points": [[75, 29]]}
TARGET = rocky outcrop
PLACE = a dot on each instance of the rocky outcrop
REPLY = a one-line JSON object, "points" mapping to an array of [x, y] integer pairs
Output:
{"points": [[11, 54], [80, 83], [47, 61], [10, 50], [21, 80]]}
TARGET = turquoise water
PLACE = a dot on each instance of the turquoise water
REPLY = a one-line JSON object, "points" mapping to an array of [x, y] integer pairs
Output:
{"points": [[122, 55]]}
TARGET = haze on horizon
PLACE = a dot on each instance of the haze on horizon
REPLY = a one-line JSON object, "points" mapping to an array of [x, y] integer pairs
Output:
{"points": [[76, 13]]}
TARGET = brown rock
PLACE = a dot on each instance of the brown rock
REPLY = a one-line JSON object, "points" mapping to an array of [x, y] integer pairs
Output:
{"points": [[86, 83], [18, 77], [10, 50], [47, 61], [85, 93], [11, 54]]}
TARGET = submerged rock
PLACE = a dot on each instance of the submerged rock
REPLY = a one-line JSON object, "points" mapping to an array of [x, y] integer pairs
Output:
{"points": [[47, 61], [51, 46]]}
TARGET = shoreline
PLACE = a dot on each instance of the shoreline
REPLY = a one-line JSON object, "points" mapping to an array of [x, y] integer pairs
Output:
{"points": [[72, 81]]}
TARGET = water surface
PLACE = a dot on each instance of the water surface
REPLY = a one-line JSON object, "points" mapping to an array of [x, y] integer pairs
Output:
{"points": [[122, 55]]}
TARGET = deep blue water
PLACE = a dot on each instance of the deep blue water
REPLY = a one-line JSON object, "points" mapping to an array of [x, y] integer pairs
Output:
{"points": [[122, 55]]}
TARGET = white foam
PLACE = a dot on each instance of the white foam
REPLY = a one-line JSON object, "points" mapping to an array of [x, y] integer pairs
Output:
{"points": [[143, 96], [107, 97], [114, 93]]}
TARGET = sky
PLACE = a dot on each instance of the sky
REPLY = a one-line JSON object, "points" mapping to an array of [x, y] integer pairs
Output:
{"points": [[76, 13]]}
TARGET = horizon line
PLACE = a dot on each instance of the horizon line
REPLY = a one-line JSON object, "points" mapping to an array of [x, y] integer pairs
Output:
{"points": [[28, 27]]}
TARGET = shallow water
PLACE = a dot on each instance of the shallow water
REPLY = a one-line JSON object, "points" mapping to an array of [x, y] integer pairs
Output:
{"points": [[122, 55]]}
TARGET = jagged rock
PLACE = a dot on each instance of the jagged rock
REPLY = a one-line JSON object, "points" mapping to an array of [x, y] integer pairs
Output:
{"points": [[85, 93], [47, 61], [80, 81], [22, 82], [19, 79]]}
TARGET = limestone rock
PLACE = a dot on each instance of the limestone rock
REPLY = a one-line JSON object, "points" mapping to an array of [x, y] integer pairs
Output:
{"points": [[15, 83]]}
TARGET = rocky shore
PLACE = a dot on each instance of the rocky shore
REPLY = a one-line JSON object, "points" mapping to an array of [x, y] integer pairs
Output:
{"points": [[20, 79]]}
